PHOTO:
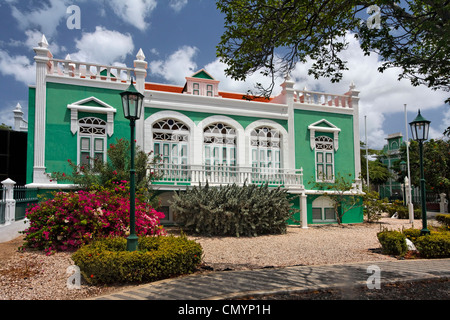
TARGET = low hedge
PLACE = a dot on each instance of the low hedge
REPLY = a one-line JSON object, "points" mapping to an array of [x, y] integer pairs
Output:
{"points": [[444, 219], [392, 242], [108, 261], [435, 245]]}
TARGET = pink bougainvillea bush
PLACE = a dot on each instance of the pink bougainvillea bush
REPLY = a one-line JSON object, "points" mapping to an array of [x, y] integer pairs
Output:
{"points": [[74, 218]]}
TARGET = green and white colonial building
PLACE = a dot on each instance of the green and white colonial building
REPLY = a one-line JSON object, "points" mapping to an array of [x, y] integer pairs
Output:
{"points": [[202, 133]]}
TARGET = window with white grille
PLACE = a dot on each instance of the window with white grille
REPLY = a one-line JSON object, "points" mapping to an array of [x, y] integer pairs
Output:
{"points": [[92, 140], [170, 141], [219, 142], [324, 159], [265, 144]]}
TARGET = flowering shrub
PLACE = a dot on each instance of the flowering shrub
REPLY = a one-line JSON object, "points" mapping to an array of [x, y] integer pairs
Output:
{"points": [[72, 219], [116, 169]]}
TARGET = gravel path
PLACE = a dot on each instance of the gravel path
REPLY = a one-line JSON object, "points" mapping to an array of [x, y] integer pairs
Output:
{"points": [[34, 276]]}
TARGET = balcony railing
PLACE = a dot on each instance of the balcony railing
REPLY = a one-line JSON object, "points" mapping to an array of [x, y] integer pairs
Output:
{"points": [[172, 174]]}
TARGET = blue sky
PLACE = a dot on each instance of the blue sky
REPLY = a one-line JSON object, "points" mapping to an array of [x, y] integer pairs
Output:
{"points": [[179, 37]]}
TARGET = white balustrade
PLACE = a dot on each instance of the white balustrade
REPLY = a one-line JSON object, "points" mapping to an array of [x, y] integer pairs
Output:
{"points": [[321, 98], [193, 175], [69, 68]]}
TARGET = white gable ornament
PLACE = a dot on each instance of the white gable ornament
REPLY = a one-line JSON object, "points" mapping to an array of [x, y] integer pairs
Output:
{"points": [[79, 106], [331, 128]]}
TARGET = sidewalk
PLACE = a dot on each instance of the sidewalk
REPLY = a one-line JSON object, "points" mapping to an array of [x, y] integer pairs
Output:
{"points": [[239, 284]]}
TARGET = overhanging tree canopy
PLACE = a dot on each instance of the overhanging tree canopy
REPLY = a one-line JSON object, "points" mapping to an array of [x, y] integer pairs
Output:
{"points": [[273, 35]]}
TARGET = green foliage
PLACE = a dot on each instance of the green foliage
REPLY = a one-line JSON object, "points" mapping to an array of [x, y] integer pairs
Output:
{"points": [[392, 242], [107, 260], [115, 170], [5, 127], [272, 36], [397, 207], [378, 172], [412, 234], [71, 219], [373, 206], [444, 219], [436, 164], [249, 210], [435, 245]]}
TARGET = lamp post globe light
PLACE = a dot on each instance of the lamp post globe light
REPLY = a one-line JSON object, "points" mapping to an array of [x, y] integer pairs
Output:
{"points": [[419, 129], [132, 108]]}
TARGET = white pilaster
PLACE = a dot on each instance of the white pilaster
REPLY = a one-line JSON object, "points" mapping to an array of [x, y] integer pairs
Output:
{"points": [[288, 93], [19, 123], [303, 211], [10, 209], [42, 60], [140, 70], [355, 106]]}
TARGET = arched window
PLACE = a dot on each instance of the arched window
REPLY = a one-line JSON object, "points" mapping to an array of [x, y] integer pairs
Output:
{"points": [[324, 159], [219, 142], [170, 141], [91, 140], [265, 144], [323, 209]]}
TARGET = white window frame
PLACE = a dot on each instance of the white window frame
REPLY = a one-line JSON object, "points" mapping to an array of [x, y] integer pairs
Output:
{"points": [[324, 156], [266, 152], [323, 203], [220, 149], [192, 142], [174, 135], [98, 131]]}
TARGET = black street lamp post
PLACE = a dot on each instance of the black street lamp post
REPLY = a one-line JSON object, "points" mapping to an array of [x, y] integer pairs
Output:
{"points": [[419, 128], [132, 107]]}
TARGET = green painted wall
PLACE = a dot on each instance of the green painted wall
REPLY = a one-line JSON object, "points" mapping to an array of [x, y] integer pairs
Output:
{"points": [[30, 135], [61, 144], [344, 158], [354, 215]]}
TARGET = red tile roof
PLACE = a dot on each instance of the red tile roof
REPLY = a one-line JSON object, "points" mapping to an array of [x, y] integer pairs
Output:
{"points": [[178, 89]]}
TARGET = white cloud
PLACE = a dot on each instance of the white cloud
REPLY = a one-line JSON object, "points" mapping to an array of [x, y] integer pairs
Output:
{"points": [[20, 67], [103, 46], [217, 70], [177, 5], [34, 37], [45, 19], [381, 94], [177, 66], [133, 12]]}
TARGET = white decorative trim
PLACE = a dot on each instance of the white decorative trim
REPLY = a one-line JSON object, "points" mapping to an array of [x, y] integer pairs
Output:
{"points": [[105, 109], [269, 123], [312, 133], [148, 125], [187, 102], [240, 140]]}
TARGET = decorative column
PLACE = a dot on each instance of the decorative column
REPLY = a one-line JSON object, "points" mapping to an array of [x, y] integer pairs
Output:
{"points": [[42, 63], [354, 94], [19, 123], [443, 204], [10, 209], [408, 200], [140, 70], [288, 93], [303, 211]]}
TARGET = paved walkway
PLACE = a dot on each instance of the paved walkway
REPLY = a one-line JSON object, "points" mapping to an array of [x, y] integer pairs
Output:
{"points": [[238, 284]]}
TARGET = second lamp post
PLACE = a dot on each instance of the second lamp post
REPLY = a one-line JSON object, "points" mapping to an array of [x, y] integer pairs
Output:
{"points": [[419, 128]]}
